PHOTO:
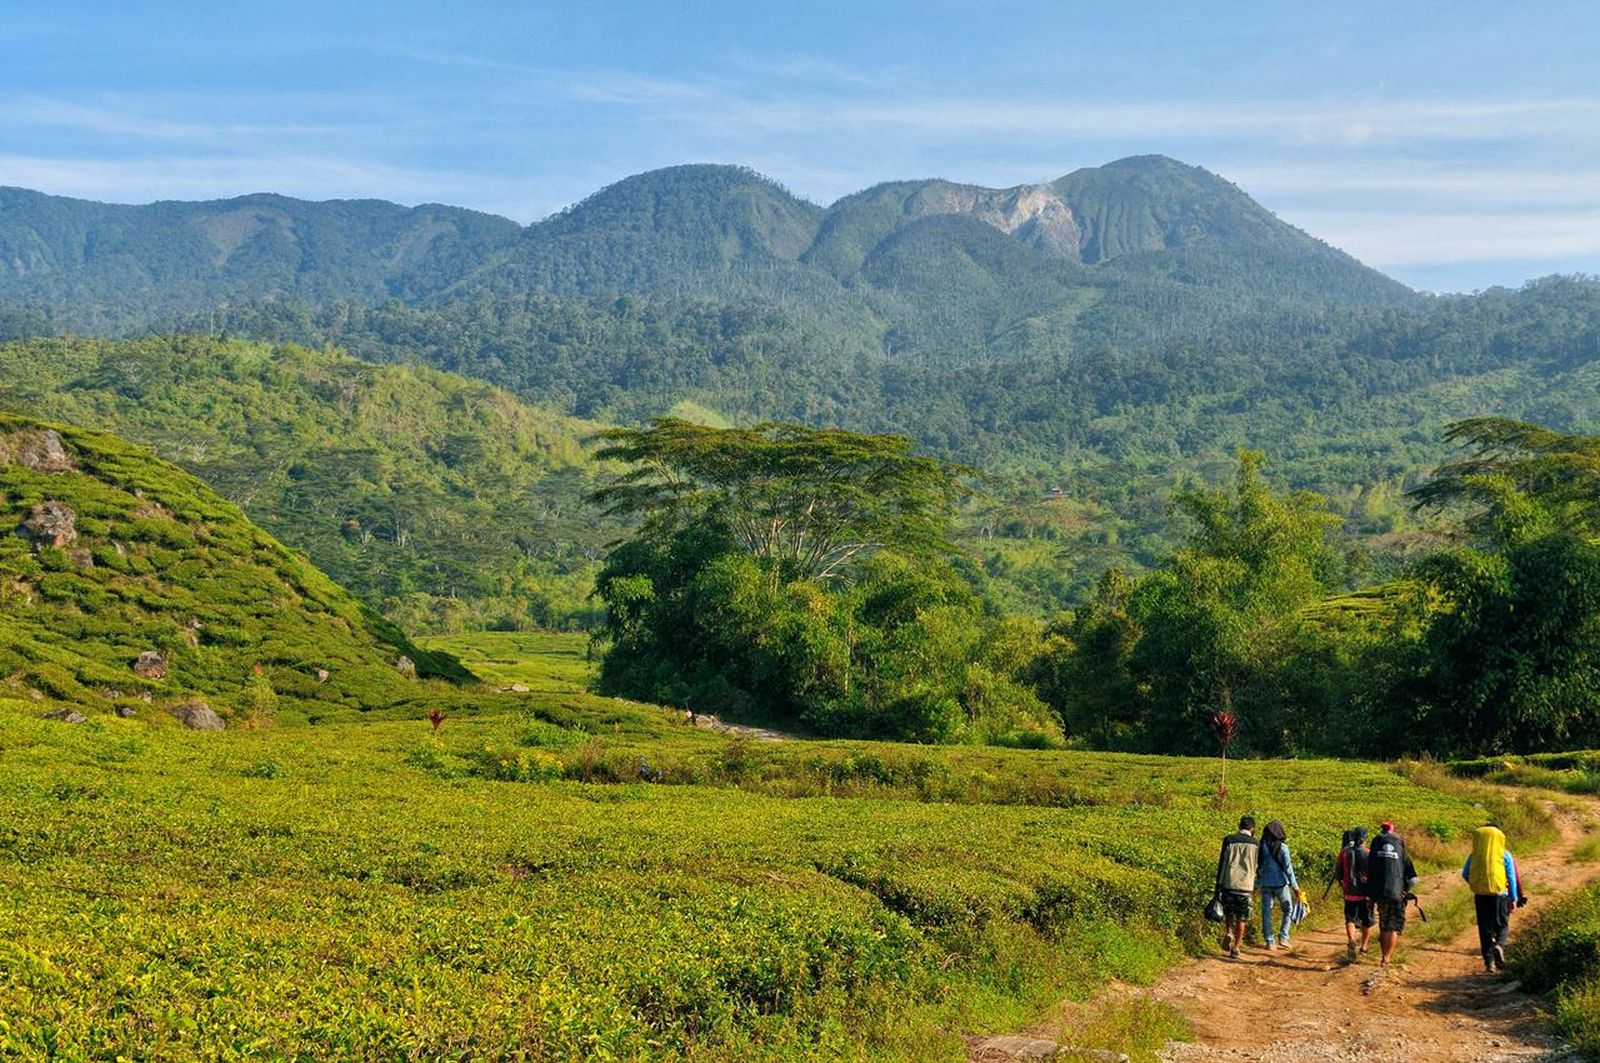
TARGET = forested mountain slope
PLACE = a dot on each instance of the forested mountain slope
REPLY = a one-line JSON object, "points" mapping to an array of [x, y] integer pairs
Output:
{"points": [[685, 231], [108, 267]]}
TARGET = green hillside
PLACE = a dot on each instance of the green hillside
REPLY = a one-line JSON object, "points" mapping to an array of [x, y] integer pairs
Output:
{"points": [[114, 558], [108, 266], [440, 500]]}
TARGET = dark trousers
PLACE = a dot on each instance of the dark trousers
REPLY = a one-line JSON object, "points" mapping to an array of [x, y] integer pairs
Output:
{"points": [[1494, 923]]}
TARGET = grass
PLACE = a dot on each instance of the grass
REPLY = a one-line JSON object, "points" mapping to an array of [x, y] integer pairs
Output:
{"points": [[1558, 953], [1587, 851], [1577, 772], [544, 662], [359, 889]]}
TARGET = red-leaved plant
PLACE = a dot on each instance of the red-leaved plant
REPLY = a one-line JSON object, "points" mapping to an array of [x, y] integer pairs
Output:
{"points": [[436, 717], [1225, 723]]}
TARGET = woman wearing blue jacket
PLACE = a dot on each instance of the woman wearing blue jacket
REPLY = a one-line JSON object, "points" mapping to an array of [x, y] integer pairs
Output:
{"points": [[1276, 880]]}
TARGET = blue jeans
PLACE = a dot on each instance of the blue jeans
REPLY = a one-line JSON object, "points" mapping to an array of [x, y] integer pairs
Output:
{"points": [[1283, 898]]}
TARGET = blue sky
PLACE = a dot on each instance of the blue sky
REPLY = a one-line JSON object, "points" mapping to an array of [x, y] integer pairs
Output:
{"points": [[1453, 145]]}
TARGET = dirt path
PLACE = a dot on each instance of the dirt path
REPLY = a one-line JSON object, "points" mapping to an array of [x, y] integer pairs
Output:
{"points": [[1435, 1006]]}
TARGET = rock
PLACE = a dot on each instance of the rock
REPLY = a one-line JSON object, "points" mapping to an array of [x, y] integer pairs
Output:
{"points": [[197, 716], [517, 688], [35, 693], [151, 664], [1006, 1049], [406, 667], [322, 675], [39, 449], [49, 524], [65, 716], [145, 696], [126, 712], [81, 558]]}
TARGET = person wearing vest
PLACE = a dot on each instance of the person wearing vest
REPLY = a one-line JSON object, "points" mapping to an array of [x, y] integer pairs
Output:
{"points": [[1276, 880], [1390, 878], [1236, 878], [1350, 872], [1491, 871]]}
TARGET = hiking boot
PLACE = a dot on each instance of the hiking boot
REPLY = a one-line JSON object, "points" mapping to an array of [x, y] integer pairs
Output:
{"points": [[1350, 952], [1499, 958], [1233, 954]]}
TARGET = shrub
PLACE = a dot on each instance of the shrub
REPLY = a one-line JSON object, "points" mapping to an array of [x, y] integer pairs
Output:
{"points": [[517, 765]]}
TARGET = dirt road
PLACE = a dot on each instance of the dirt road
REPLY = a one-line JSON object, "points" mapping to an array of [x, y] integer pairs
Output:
{"points": [[1308, 1006], [1436, 1006]]}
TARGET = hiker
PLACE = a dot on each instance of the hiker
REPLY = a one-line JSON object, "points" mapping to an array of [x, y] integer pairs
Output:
{"points": [[1491, 871], [1236, 878], [1350, 872], [1390, 880], [1276, 880]]}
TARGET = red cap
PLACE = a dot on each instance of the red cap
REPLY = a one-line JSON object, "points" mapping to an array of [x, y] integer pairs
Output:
{"points": [[1388, 825]]}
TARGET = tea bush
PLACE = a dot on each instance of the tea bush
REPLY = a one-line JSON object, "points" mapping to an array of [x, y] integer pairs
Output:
{"points": [[1559, 953], [380, 892]]}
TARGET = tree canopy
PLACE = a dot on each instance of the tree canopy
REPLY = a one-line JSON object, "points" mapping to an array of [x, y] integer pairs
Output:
{"points": [[813, 501]]}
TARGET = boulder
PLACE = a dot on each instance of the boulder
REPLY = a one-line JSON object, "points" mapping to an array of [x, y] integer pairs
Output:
{"points": [[406, 667], [322, 675], [125, 712], [152, 664], [49, 524], [39, 449], [65, 716], [197, 716]]}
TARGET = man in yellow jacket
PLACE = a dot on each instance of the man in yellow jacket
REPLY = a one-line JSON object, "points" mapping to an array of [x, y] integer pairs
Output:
{"points": [[1496, 887]]}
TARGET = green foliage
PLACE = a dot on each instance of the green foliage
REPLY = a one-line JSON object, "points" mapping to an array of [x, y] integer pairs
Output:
{"points": [[241, 620], [794, 575], [1559, 954], [369, 908], [808, 501], [1509, 660], [446, 503]]}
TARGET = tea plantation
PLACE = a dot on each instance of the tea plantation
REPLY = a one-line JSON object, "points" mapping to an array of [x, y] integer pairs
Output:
{"points": [[129, 583], [367, 889]]}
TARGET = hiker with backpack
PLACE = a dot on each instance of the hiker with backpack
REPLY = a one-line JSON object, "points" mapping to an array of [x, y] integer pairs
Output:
{"points": [[1491, 871], [1276, 880], [1236, 878], [1390, 879], [1350, 872]]}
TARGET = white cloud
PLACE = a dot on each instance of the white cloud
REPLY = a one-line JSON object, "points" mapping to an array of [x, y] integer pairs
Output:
{"points": [[1397, 238]]}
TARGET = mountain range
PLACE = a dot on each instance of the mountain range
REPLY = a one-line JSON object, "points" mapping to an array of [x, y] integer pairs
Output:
{"points": [[872, 258], [1102, 338]]}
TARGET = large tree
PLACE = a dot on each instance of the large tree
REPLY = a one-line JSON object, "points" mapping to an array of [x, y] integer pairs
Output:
{"points": [[796, 575], [1512, 653], [813, 500]]}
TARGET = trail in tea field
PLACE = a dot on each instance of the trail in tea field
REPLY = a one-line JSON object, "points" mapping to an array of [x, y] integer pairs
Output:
{"points": [[1309, 1006]]}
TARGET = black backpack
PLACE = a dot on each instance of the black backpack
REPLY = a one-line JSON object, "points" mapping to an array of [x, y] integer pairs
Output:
{"points": [[1354, 880], [1386, 868]]}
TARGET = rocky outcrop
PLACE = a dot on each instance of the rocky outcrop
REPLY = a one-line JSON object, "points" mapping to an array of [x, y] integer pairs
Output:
{"points": [[49, 524], [406, 666], [197, 716], [39, 449], [65, 716], [1034, 214], [151, 664]]}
